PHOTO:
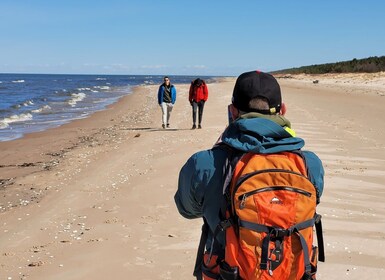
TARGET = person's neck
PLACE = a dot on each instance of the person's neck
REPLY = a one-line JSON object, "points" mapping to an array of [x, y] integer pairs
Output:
{"points": [[277, 118]]}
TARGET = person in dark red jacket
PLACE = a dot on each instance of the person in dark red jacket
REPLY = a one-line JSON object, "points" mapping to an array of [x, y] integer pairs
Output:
{"points": [[198, 96]]}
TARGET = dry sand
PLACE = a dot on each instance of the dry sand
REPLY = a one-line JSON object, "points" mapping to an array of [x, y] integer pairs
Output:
{"points": [[93, 199]]}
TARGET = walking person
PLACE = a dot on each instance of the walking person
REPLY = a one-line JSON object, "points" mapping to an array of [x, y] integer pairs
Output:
{"points": [[166, 100], [198, 95], [257, 192]]}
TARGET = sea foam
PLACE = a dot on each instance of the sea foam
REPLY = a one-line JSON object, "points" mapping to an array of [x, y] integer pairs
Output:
{"points": [[4, 123], [27, 103], [44, 108], [76, 97]]}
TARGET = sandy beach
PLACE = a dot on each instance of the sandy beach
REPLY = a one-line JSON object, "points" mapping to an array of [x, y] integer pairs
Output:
{"points": [[93, 199]]}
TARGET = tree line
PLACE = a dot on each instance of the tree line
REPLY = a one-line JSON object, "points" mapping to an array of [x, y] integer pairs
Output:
{"points": [[366, 65]]}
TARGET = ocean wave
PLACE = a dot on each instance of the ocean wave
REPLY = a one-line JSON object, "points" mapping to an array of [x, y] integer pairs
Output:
{"points": [[44, 108], [76, 97], [101, 79], [18, 81], [27, 103], [4, 123], [102, 87], [82, 89]]}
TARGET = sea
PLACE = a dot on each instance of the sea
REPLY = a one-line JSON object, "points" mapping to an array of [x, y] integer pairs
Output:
{"points": [[37, 102]]}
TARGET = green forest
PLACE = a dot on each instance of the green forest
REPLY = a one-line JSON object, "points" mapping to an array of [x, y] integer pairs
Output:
{"points": [[365, 65]]}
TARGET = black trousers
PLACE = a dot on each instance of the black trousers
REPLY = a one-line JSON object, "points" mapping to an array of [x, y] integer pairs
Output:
{"points": [[197, 106]]}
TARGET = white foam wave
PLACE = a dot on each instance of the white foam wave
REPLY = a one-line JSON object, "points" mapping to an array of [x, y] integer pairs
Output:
{"points": [[3, 125], [14, 118], [102, 87], [27, 103], [101, 79], [76, 97], [18, 81], [81, 89], [44, 108]]}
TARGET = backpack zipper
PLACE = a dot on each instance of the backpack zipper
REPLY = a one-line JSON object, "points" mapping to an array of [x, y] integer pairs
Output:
{"points": [[244, 196], [249, 175]]}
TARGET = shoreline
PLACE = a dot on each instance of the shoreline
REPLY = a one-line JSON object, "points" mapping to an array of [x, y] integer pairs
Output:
{"points": [[43, 150], [100, 190], [35, 151]]}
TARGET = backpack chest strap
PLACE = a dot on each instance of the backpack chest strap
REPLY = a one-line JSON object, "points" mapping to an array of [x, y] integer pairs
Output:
{"points": [[279, 233]]}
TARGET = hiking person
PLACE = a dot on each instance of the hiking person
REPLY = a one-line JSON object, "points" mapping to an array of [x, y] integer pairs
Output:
{"points": [[166, 100], [256, 191], [198, 95]]}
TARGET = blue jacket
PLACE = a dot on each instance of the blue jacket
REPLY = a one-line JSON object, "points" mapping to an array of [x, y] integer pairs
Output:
{"points": [[201, 179], [161, 92]]}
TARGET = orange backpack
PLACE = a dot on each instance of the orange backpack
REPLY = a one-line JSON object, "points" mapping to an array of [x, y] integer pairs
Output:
{"points": [[270, 213]]}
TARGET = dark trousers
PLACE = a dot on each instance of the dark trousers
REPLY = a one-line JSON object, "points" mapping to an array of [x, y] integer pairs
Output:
{"points": [[197, 106]]}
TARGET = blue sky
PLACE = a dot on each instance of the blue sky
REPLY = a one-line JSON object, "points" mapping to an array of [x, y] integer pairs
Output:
{"points": [[170, 37]]}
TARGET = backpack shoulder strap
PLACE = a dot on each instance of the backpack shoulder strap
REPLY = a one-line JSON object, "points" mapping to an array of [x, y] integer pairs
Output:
{"points": [[201, 250]]}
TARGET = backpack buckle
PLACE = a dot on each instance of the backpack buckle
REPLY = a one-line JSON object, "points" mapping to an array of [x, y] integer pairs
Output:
{"points": [[223, 225], [280, 233]]}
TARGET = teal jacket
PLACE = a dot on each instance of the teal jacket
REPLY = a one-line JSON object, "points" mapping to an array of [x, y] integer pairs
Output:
{"points": [[201, 179]]}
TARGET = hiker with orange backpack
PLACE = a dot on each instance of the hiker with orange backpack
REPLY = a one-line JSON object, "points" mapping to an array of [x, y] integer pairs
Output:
{"points": [[257, 192]]}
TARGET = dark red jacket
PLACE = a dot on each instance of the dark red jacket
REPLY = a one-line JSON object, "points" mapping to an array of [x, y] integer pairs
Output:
{"points": [[198, 91]]}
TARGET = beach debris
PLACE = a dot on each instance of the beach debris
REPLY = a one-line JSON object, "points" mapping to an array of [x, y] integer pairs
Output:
{"points": [[137, 135], [172, 235], [5, 182], [315, 81], [34, 264], [112, 221], [96, 240]]}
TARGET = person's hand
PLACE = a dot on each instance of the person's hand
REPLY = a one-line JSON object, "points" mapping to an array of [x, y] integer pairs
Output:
{"points": [[191, 102]]}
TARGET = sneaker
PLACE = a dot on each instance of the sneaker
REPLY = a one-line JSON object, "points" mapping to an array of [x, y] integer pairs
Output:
{"points": [[163, 126], [199, 126], [194, 126], [168, 125]]}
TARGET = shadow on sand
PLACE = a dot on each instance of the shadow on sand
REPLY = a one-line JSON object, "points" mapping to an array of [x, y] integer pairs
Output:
{"points": [[153, 129]]}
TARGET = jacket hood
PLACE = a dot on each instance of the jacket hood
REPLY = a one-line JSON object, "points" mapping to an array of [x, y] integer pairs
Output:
{"points": [[260, 135]]}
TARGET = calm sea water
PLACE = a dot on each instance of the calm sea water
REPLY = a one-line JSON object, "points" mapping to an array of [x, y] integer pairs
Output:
{"points": [[34, 102]]}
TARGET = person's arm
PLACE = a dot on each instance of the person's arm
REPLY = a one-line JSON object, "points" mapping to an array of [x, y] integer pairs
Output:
{"points": [[173, 94], [315, 171], [205, 92], [191, 93], [189, 198], [198, 183], [160, 95]]}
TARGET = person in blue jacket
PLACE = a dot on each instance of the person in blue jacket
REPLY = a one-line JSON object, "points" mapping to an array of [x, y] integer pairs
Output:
{"points": [[258, 125], [166, 100]]}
